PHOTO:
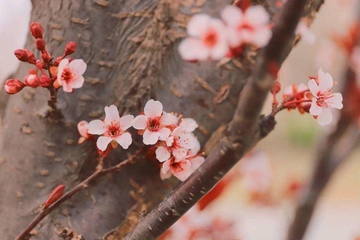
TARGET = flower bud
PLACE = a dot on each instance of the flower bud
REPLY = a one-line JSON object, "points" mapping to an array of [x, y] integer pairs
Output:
{"points": [[46, 57], [70, 48], [31, 57], [40, 64], [21, 55], [276, 87], [13, 86], [44, 81], [36, 30], [32, 80], [40, 44]]}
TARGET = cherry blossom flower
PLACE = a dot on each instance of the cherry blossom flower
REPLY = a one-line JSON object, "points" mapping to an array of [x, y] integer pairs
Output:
{"points": [[70, 74], [183, 168], [249, 27], [177, 144], [207, 39], [154, 122], [112, 129], [323, 98]]}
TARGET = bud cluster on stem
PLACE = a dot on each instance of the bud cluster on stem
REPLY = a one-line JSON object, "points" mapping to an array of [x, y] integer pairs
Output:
{"points": [[49, 73]]}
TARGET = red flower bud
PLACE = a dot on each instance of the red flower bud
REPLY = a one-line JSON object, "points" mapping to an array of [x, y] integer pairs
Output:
{"points": [[70, 48], [40, 64], [36, 30], [40, 44], [44, 81], [31, 57], [32, 80], [21, 55], [46, 57], [55, 195], [13, 86], [276, 87]]}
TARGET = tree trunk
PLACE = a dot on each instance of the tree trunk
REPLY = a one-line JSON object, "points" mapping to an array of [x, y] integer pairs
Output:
{"points": [[130, 47]]}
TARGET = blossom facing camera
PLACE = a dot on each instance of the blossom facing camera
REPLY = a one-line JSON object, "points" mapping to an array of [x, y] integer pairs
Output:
{"points": [[112, 129], [69, 74], [322, 98], [154, 123], [249, 27], [207, 39]]}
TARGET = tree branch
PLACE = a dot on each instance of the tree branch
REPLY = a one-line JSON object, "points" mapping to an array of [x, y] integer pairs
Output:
{"points": [[243, 133], [100, 171]]}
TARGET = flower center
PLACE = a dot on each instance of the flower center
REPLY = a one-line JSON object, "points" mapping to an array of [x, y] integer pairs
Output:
{"points": [[210, 38], [67, 75], [114, 130], [246, 26], [154, 124]]}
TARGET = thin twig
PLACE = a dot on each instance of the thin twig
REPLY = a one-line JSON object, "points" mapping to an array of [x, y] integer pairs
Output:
{"points": [[100, 171], [243, 132]]}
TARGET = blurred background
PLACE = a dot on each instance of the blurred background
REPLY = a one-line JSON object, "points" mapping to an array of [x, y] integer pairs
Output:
{"points": [[259, 196]]}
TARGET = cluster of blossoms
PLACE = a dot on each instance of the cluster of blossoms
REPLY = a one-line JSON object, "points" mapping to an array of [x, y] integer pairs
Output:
{"points": [[172, 138], [211, 38], [316, 98], [62, 71]]}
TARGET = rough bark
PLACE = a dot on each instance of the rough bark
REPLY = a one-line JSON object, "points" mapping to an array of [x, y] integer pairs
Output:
{"points": [[131, 51]]}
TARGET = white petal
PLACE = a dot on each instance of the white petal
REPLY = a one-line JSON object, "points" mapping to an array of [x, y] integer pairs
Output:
{"points": [[219, 50], [179, 153], [82, 127], [183, 171], [302, 87], [126, 122], [66, 87], [124, 140], [188, 124], [169, 119], [153, 108], [77, 66], [187, 141], [313, 87], [140, 122], [257, 15], [162, 154], [164, 133], [325, 82], [191, 49], [150, 138], [262, 36], [325, 117], [77, 82], [335, 101], [198, 25], [315, 109], [169, 141], [111, 115], [166, 175], [97, 127], [195, 150], [232, 15], [103, 142], [166, 167]]}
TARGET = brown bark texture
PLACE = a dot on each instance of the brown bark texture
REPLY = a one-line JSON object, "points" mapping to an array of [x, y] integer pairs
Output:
{"points": [[131, 51]]}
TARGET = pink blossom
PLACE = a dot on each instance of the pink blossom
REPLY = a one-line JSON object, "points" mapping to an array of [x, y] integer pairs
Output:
{"points": [[177, 144], [70, 74], [207, 39], [183, 168], [154, 122], [323, 98], [249, 27], [112, 129]]}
